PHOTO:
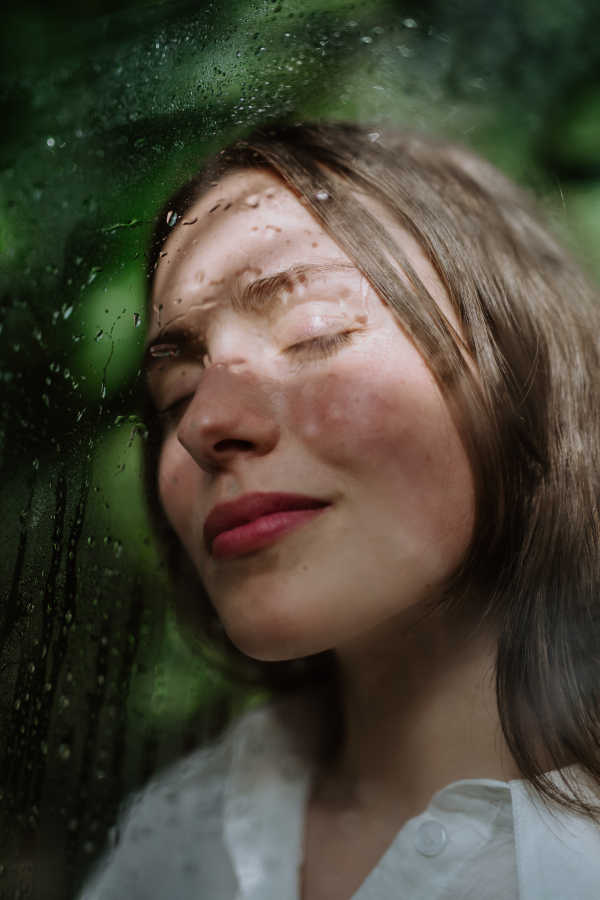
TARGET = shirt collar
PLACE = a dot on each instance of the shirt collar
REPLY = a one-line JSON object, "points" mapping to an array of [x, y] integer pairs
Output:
{"points": [[266, 797], [558, 852], [264, 807]]}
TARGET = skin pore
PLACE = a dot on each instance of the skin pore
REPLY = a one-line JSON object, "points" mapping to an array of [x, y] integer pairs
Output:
{"points": [[279, 369]]}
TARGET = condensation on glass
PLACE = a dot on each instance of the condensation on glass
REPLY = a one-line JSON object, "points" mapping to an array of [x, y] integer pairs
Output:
{"points": [[98, 688]]}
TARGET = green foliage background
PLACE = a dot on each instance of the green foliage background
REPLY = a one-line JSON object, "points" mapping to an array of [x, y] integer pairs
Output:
{"points": [[101, 119]]}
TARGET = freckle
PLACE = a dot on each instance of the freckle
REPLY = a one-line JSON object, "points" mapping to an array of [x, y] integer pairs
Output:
{"points": [[193, 424], [175, 480], [304, 568], [254, 229], [162, 479], [314, 244]]}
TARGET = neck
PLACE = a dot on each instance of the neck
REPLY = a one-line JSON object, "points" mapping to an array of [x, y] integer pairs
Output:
{"points": [[420, 711]]}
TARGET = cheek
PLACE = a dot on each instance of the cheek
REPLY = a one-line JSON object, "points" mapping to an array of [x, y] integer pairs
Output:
{"points": [[358, 417], [390, 433], [179, 487]]}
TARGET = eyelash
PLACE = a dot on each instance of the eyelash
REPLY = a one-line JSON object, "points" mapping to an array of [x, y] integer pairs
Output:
{"points": [[323, 346], [166, 416]]}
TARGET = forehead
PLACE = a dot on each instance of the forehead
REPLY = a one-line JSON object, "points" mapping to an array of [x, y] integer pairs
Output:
{"points": [[250, 225]]}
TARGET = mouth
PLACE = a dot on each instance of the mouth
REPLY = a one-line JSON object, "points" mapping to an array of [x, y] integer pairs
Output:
{"points": [[256, 521]]}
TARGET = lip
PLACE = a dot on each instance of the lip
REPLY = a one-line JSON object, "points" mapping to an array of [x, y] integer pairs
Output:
{"points": [[256, 520]]}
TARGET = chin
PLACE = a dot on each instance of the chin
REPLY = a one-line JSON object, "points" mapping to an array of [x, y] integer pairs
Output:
{"points": [[272, 628]]}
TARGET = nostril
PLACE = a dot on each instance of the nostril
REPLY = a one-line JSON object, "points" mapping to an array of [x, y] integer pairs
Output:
{"points": [[228, 445]]}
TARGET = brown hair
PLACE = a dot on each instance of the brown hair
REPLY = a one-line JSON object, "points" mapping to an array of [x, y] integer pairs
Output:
{"points": [[530, 420]]}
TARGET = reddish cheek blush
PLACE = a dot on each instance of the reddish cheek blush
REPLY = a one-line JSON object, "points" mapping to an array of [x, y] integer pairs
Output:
{"points": [[355, 419]]}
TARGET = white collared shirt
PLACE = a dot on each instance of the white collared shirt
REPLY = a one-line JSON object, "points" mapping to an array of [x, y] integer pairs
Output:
{"points": [[227, 823]]}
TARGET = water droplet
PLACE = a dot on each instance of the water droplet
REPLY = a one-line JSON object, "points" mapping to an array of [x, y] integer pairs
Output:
{"points": [[478, 83], [95, 270], [378, 87], [44, 747], [410, 23], [67, 312], [373, 137], [159, 350], [17, 704], [378, 29], [32, 668], [136, 319], [51, 142], [64, 751], [139, 428], [118, 548], [64, 701], [103, 390], [367, 40], [98, 336], [171, 218], [322, 195]]}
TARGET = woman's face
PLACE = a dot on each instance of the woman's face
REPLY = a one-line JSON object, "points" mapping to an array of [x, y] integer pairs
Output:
{"points": [[310, 465]]}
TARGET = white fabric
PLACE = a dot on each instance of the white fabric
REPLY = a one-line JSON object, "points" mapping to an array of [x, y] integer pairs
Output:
{"points": [[227, 824]]}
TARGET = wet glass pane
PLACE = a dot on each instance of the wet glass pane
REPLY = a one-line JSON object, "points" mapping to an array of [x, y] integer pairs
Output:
{"points": [[101, 685]]}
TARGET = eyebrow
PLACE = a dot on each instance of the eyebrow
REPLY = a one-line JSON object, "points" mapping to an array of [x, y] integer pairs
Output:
{"points": [[257, 296], [264, 292]]}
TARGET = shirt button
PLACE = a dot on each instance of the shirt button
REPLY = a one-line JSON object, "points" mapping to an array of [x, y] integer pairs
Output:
{"points": [[430, 838]]}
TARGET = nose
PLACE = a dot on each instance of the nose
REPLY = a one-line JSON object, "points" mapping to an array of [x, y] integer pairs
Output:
{"points": [[230, 416]]}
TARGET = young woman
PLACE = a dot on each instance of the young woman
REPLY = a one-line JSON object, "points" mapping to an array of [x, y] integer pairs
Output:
{"points": [[376, 461]]}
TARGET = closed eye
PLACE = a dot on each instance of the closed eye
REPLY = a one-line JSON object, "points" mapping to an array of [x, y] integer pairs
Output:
{"points": [[322, 346], [175, 411]]}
